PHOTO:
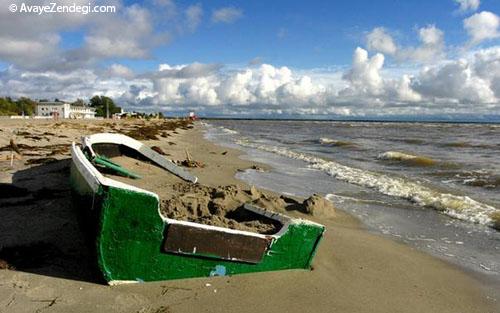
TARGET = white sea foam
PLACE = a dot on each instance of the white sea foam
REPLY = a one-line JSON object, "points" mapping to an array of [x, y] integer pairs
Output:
{"points": [[341, 199], [228, 131], [395, 155], [460, 207], [406, 157], [333, 142], [326, 141]]}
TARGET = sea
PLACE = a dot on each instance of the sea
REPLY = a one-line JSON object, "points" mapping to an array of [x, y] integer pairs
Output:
{"points": [[434, 186]]}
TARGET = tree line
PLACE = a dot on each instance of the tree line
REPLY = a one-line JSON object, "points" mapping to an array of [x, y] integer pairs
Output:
{"points": [[21, 106], [27, 106]]}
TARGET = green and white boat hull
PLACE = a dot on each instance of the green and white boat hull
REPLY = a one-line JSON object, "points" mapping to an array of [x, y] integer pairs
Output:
{"points": [[135, 243]]}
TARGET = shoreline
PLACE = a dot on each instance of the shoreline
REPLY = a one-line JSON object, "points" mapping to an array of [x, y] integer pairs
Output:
{"points": [[354, 270], [361, 185], [492, 281], [349, 220]]}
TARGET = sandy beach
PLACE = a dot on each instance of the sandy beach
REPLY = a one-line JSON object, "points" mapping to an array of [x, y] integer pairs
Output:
{"points": [[46, 266]]}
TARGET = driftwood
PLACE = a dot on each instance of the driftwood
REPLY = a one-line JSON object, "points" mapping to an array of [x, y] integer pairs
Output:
{"points": [[189, 162]]}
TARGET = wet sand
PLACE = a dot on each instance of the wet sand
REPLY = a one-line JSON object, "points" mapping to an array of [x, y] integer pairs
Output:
{"points": [[354, 270]]}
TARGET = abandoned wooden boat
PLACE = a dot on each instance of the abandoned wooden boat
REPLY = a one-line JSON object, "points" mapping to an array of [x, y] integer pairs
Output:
{"points": [[136, 243]]}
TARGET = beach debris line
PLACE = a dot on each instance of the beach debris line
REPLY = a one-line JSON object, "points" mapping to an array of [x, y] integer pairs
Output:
{"points": [[158, 150], [39, 161], [152, 130], [43, 154], [34, 143]]}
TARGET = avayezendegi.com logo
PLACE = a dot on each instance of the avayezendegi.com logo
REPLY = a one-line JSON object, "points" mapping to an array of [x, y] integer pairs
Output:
{"points": [[54, 7]]}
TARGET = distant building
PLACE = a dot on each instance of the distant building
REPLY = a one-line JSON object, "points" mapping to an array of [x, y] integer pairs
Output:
{"points": [[124, 114], [59, 109]]}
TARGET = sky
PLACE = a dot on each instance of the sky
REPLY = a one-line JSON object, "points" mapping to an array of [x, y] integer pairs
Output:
{"points": [[260, 58]]}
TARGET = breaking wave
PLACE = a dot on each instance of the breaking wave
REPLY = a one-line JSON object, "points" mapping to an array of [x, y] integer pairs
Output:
{"points": [[460, 207], [228, 131], [408, 159], [338, 143]]}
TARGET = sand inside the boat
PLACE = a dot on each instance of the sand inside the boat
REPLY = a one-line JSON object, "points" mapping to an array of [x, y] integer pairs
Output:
{"points": [[221, 206], [217, 206]]}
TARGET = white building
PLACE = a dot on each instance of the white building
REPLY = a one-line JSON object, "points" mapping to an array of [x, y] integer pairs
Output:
{"points": [[63, 110]]}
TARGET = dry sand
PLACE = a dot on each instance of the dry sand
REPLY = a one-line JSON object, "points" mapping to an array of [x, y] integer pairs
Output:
{"points": [[354, 270]]}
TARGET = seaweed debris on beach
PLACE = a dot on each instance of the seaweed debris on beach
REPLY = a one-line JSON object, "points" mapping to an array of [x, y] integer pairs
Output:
{"points": [[152, 130]]}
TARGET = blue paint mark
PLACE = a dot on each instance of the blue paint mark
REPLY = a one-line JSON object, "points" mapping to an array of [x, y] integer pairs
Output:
{"points": [[140, 280], [220, 270]]}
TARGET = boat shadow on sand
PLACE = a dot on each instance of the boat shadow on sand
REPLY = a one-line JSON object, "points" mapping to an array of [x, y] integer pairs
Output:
{"points": [[41, 231]]}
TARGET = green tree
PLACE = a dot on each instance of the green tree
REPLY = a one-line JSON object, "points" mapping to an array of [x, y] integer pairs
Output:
{"points": [[26, 106], [18, 107], [7, 107], [100, 103]]}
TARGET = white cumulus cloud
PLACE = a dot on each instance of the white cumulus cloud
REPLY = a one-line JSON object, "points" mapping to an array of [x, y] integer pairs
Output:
{"points": [[130, 35], [379, 40], [482, 26], [431, 47], [119, 70], [469, 80], [455, 82], [467, 85], [430, 50], [364, 76]]}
